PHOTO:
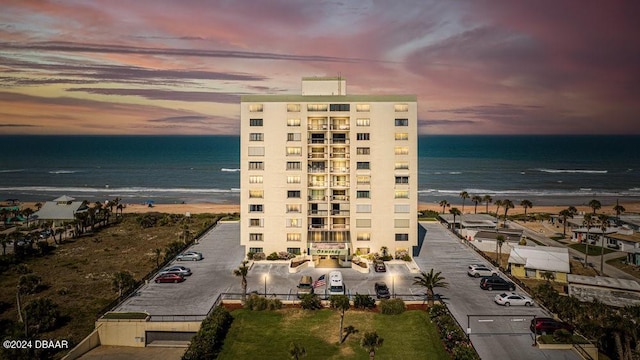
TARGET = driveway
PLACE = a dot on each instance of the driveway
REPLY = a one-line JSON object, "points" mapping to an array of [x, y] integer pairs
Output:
{"points": [[496, 332]]}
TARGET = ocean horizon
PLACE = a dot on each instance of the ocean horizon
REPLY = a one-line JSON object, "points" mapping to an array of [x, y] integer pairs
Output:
{"points": [[545, 169]]}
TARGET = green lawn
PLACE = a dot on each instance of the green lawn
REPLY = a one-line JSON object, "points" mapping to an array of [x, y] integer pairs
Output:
{"points": [[268, 334], [593, 249]]}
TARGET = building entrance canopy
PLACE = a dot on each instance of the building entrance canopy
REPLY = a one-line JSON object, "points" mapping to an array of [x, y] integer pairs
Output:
{"points": [[329, 249]]}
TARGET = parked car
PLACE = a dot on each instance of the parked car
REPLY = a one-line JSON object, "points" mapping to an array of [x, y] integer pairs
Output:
{"points": [[177, 269], [305, 286], [379, 266], [496, 283], [169, 278], [546, 325], [190, 256], [382, 290], [477, 270], [508, 299]]}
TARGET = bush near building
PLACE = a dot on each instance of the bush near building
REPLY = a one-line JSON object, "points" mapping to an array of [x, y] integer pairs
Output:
{"points": [[207, 343]]}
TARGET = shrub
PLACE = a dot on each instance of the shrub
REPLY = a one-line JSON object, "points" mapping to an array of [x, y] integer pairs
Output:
{"points": [[364, 302], [207, 343], [563, 336], [259, 303], [30, 284], [273, 256], [310, 302], [465, 352], [259, 256], [392, 306], [250, 255], [386, 258], [406, 257], [42, 315]]}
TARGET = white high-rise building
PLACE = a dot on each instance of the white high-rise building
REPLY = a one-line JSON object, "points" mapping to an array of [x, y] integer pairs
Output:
{"points": [[329, 174]]}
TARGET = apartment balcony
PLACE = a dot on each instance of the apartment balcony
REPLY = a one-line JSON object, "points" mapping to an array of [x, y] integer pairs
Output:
{"points": [[340, 127], [340, 198], [340, 141], [340, 170], [318, 227], [317, 155], [317, 184], [317, 127], [318, 212], [316, 170], [316, 141], [340, 184], [317, 198], [335, 155], [340, 212], [339, 227]]}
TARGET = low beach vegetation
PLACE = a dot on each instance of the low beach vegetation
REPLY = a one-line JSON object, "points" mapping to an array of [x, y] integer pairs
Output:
{"points": [[594, 250]]}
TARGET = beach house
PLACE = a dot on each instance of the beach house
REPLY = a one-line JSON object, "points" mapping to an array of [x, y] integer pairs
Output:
{"points": [[538, 261], [328, 174], [59, 211]]}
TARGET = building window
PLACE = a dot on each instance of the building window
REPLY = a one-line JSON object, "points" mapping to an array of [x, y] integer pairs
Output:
{"points": [[363, 208], [402, 208], [363, 107], [293, 194], [363, 223], [402, 237], [363, 165], [363, 122], [402, 179], [256, 237], [256, 250], [402, 194], [294, 237], [401, 107], [256, 208], [401, 150], [255, 179], [295, 251], [363, 236], [294, 208], [256, 165], [363, 194], [402, 122], [339, 107], [402, 136], [294, 165], [256, 194], [256, 137], [402, 165], [293, 122], [293, 107], [294, 223], [294, 151], [363, 179], [255, 107], [255, 122], [401, 223], [317, 107], [363, 151], [293, 137], [362, 136], [256, 151], [255, 222], [293, 179]]}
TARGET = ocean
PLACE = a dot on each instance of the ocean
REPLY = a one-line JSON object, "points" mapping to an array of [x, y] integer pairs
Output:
{"points": [[547, 170]]}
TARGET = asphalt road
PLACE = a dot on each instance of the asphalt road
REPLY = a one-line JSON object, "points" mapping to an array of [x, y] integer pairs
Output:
{"points": [[494, 335]]}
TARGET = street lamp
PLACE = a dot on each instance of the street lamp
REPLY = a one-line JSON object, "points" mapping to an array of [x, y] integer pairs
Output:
{"points": [[265, 284], [393, 285]]}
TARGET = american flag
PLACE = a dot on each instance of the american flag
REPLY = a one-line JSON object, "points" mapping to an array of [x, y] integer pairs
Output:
{"points": [[320, 282]]}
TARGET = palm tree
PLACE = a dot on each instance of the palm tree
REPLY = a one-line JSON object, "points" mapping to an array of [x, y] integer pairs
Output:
{"points": [[157, 252], [487, 200], [27, 214], [444, 203], [123, 281], [297, 351], [595, 205], [499, 243], [498, 205], [455, 213], [604, 222], [4, 240], [507, 204], [242, 271], [526, 204], [371, 341], [430, 281], [619, 209], [476, 199], [341, 303], [566, 213], [588, 222], [464, 195]]}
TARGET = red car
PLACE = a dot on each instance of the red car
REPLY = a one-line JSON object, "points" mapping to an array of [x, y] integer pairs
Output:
{"points": [[169, 278]]}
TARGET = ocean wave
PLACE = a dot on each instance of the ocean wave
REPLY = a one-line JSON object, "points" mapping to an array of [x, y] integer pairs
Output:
{"points": [[229, 170], [107, 190], [572, 171], [455, 172], [62, 172], [11, 170]]}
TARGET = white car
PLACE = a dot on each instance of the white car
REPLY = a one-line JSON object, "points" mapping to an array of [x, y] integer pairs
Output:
{"points": [[176, 269], [189, 255], [477, 270], [508, 299]]}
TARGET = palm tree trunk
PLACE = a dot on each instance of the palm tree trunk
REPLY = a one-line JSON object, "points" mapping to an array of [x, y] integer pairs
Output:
{"points": [[341, 323], [586, 249]]}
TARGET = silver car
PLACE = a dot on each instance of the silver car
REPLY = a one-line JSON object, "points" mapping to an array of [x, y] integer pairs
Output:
{"points": [[508, 299], [478, 270], [176, 269], [190, 256]]}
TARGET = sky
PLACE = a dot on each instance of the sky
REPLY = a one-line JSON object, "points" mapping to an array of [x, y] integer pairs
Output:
{"points": [[179, 67]]}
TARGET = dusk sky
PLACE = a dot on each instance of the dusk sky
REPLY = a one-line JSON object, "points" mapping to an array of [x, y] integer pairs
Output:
{"points": [[180, 67]]}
